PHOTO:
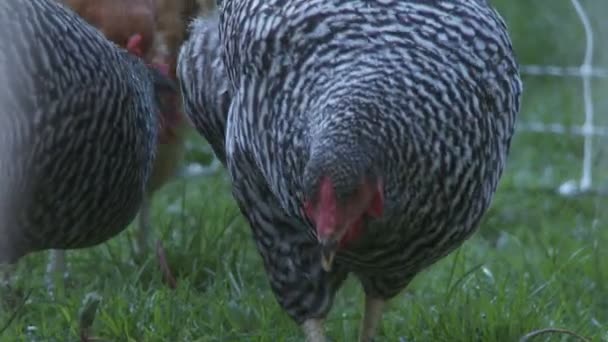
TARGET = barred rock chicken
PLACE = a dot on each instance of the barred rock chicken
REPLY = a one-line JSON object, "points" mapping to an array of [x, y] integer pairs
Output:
{"points": [[362, 136], [80, 119], [131, 25], [152, 30]]}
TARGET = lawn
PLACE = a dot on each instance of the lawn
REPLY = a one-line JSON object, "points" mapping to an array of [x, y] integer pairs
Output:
{"points": [[538, 261]]}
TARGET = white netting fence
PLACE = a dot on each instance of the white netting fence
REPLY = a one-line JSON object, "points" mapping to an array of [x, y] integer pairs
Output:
{"points": [[586, 71]]}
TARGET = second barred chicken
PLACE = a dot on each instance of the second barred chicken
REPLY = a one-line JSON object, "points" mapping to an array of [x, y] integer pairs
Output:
{"points": [[362, 137], [80, 121]]}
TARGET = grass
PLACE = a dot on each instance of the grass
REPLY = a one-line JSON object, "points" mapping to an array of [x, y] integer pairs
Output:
{"points": [[537, 262]]}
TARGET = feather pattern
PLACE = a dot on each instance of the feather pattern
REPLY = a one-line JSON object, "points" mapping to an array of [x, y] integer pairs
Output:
{"points": [[423, 93], [79, 125]]}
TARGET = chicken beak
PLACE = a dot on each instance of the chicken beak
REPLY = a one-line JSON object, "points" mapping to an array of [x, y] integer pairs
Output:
{"points": [[328, 252]]}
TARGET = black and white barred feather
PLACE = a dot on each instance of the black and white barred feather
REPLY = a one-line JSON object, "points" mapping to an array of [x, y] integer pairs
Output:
{"points": [[202, 76], [79, 127], [424, 94]]}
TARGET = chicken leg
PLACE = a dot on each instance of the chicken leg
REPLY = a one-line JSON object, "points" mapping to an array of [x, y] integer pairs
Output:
{"points": [[313, 330], [6, 272], [55, 267], [371, 318], [6, 291], [143, 230]]}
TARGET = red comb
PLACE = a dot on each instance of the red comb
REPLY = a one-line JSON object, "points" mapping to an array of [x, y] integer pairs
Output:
{"points": [[134, 45]]}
